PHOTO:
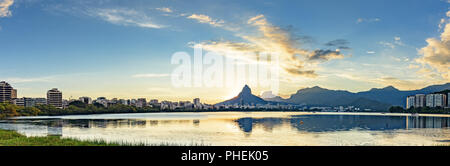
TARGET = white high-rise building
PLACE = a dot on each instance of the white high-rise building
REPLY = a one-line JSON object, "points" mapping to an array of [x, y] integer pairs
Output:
{"points": [[439, 100], [410, 101], [429, 100], [448, 100], [420, 100]]}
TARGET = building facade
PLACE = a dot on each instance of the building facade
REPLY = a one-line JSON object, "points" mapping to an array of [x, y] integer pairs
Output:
{"points": [[429, 100], [86, 100], [141, 102], [54, 98], [420, 100], [410, 101], [439, 100], [7, 93]]}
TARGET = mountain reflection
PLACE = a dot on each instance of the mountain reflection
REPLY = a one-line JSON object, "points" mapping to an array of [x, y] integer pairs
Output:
{"points": [[326, 123]]}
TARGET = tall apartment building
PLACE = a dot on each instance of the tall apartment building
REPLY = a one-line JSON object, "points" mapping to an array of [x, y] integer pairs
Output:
{"points": [[420, 100], [54, 98], [439, 100], [197, 103], [410, 101], [429, 100], [7, 92]]}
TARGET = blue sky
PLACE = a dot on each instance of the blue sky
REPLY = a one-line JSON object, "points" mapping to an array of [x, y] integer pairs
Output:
{"points": [[94, 48]]}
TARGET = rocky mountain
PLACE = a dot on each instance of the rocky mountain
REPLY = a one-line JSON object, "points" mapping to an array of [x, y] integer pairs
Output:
{"points": [[393, 96], [376, 98], [244, 97]]}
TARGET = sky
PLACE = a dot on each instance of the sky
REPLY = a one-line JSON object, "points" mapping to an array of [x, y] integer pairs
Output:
{"points": [[123, 49]]}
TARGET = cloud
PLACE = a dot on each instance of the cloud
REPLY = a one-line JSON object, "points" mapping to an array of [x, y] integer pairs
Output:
{"points": [[16, 80], [368, 20], [339, 43], [393, 44], [387, 44], [206, 20], [398, 41], [151, 75], [126, 17], [371, 52], [437, 53], [399, 83], [4, 7], [325, 55], [273, 40], [165, 9]]}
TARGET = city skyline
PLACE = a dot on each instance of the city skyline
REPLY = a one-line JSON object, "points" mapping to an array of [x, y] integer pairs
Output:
{"points": [[118, 50]]}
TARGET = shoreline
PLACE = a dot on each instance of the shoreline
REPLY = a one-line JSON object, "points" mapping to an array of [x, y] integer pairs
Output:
{"points": [[302, 112]]}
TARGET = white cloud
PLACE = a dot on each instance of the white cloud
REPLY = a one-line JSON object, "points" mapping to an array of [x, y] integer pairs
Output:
{"points": [[361, 20], [387, 44], [370, 52], [165, 9], [28, 80], [436, 54], [4, 7], [207, 20], [150, 75], [396, 42], [127, 17], [273, 40]]}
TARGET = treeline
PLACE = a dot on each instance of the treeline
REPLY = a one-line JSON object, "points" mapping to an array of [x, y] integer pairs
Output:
{"points": [[420, 110], [75, 108]]}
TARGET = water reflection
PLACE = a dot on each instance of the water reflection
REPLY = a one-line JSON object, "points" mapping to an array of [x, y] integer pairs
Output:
{"points": [[326, 123], [244, 128]]}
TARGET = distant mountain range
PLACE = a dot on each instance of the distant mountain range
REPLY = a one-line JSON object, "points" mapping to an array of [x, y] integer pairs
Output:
{"points": [[375, 99], [378, 99]]}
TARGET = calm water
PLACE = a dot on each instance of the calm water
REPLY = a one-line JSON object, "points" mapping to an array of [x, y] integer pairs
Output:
{"points": [[238, 128]]}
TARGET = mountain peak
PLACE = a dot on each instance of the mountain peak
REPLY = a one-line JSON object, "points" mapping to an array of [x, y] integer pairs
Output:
{"points": [[245, 97], [388, 88], [246, 90]]}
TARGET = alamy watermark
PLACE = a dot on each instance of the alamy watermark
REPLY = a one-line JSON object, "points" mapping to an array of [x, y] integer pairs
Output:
{"points": [[225, 69]]}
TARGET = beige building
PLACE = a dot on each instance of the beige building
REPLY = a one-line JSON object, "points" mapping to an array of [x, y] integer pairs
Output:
{"points": [[7, 92], [54, 98]]}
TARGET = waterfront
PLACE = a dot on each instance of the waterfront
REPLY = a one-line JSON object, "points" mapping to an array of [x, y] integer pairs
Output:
{"points": [[244, 128]]}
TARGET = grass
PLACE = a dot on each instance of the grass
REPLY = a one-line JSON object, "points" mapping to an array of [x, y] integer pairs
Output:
{"points": [[13, 138]]}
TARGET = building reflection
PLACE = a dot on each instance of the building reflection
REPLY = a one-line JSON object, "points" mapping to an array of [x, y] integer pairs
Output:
{"points": [[327, 123], [108, 123]]}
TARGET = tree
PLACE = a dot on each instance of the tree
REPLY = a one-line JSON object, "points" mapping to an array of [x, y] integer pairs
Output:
{"points": [[29, 111], [396, 109], [78, 104], [8, 110]]}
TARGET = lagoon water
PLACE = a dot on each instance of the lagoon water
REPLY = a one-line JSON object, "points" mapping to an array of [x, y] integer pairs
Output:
{"points": [[244, 128]]}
